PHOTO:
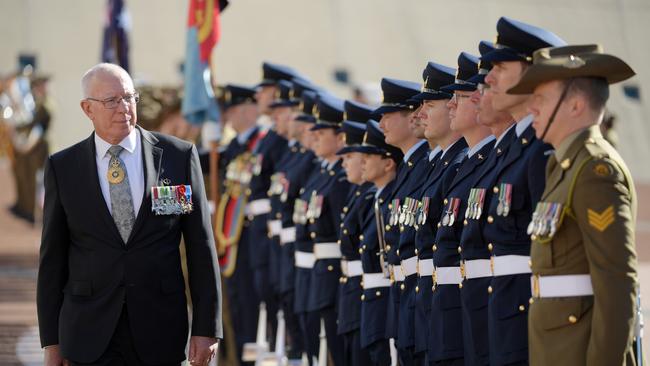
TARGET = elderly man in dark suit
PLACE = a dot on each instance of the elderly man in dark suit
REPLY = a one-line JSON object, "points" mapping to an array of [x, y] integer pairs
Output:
{"points": [[110, 285]]}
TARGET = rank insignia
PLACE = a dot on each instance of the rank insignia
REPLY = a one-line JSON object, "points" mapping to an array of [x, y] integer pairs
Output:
{"points": [[601, 221]]}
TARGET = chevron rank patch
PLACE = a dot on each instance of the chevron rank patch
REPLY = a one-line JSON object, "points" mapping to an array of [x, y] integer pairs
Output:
{"points": [[601, 221]]}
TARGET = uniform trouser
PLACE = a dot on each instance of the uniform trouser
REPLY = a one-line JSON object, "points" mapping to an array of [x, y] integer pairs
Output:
{"points": [[25, 168], [310, 328], [266, 293], [450, 362], [353, 354], [292, 323], [408, 357], [334, 342], [379, 353], [244, 303]]}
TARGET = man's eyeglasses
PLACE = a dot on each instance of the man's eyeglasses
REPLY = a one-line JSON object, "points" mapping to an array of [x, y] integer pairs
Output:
{"points": [[112, 103], [483, 88], [457, 97]]}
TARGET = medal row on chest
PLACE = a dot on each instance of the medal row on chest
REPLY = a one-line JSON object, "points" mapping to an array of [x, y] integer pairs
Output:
{"points": [[171, 200], [413, 213], [243, 168], [304, 210]]}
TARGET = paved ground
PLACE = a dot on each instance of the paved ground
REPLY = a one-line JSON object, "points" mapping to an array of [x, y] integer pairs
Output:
{"points": [[19, 243]]}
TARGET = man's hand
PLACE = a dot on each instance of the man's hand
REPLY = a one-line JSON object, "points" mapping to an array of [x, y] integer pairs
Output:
{"points": [[202, 350], [53, 356]]}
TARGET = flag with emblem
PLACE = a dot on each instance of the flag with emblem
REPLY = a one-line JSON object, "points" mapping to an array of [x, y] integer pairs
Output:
{"points": [[203, 32]]}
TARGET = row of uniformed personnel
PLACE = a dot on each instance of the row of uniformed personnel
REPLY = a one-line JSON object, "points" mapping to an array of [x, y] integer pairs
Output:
{"points": [[483, 220]]}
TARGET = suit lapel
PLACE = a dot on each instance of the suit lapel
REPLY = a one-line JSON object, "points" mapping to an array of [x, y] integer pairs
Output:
{"points": [[152, 157]]}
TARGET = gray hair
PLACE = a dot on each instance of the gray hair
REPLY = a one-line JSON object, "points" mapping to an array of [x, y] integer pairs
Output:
{"points": [[103, 69]]}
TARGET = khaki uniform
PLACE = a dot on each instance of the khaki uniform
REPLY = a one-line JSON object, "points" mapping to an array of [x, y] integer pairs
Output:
{"points": [[594, 235]]}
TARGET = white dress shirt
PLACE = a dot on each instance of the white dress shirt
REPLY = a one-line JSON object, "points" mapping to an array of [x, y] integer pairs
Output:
{"points": [[132, 158]]}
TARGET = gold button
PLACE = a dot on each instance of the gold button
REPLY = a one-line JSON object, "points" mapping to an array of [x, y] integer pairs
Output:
{"points": [[460, 249], [357, 193], [250, 217], [397, 252], [330, 268], [341, 225], [401, 229], [417, 288], [446, 201], [278, 215], [416, 251], [530, 263], [439, 224], [387, 227], [531, 301], [345, 209], [387, 248], [390, 206], [378, 293], [332, 173], [268, 193], [522, 308], [313, 235], [360, 250], [533, 237], [490, 246], [361, 237], [573, 319], [361, 284], [338, 242], [248, 192], [365, 247], [489, 289], [345, 231], [402, 287], [490, 219], [312, 220], [495, 189], [465, 222], [341, 279], [434, 247], [460, 285], [363, 297]]}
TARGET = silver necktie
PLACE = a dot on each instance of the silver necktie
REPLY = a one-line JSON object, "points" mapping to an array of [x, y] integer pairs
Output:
{"points": [[120, 191]]}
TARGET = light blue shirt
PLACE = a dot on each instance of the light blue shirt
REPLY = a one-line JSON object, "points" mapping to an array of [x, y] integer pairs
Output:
{"points": [[478, 146], [523, 124], [412, 150]]}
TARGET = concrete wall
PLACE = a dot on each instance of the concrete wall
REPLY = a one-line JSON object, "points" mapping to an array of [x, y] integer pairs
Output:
{"points": [[370, 38]]}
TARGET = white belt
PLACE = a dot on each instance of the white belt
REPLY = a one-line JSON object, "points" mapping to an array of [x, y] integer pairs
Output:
{"points": [[409, 266], [476, 268], [425, 267], [398, 276], [562, 286], [288, 235], [447, 276], [258, 207], [275, 226], [304, 259], [351, 268], [505, 265], [374, 280], [327, 250]]}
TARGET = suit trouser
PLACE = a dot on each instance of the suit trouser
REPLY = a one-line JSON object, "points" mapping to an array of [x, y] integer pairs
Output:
{"points": [[25, 168], [353, 354], [121, 351]]}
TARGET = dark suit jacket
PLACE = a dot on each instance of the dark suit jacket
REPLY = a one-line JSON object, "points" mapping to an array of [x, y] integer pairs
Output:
{"points": [[87, 274]]}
